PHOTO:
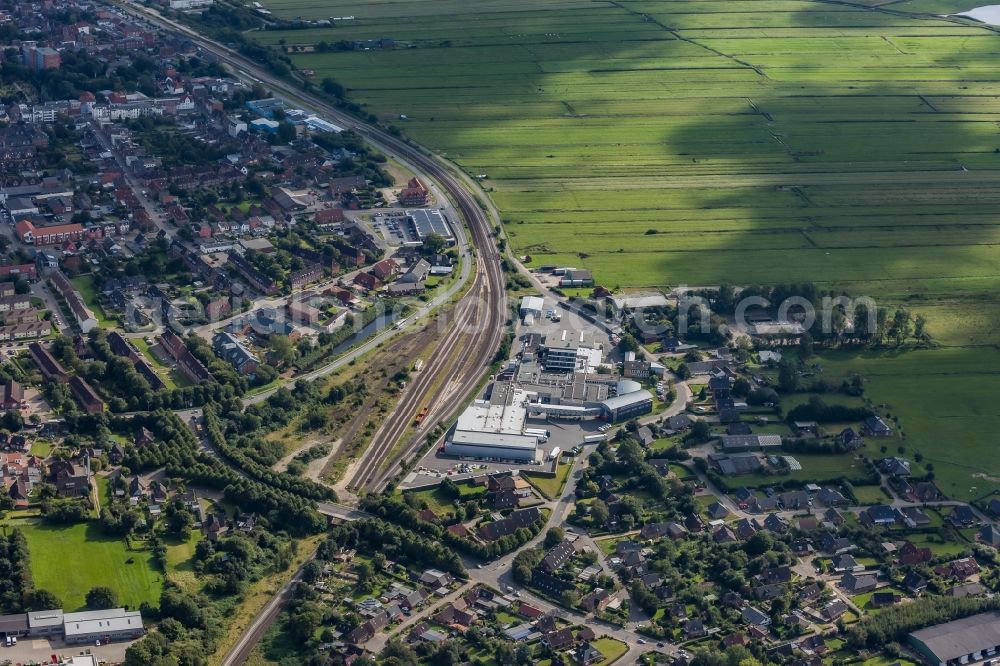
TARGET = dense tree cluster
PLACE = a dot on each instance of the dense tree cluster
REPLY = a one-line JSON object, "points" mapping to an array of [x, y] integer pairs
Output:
{"points": [[15, 577], [176, 448], [277, 480], [398, 510], [371, 536], [190, 626]]}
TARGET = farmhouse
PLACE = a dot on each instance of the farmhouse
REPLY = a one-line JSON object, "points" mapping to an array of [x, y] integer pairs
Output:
{"points": [[733, 443], [874, 426]]}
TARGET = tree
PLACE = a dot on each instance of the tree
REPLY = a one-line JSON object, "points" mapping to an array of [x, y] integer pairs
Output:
{"points": [[101, 598], [788, 378], [554, 536], [901, 326], [400, 653], [282, 350], [920, 329], [449, 489], [286, 132], [40, 600], [312, 571], [599, 512], [700, 432], [570, 598], [434, 243], [805, 346], [331, 87]]}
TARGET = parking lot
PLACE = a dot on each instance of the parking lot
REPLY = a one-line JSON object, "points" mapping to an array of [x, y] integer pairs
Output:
{"points": [[394, 228], [41, 651]]}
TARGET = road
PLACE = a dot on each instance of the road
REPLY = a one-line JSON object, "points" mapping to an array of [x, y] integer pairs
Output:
{"points": [[154, 214]]}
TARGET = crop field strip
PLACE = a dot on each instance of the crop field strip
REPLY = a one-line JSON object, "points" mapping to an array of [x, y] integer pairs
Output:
{"points": [[695, 142]]}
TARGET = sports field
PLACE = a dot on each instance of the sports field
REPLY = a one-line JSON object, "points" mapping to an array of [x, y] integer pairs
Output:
{"points": [[674, 142]]}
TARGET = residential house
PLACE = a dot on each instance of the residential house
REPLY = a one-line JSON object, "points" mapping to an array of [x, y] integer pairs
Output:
{"points": [[963, 516], [874, 426], [586, 654], [856, 583], [880, 515], [755, 617]]}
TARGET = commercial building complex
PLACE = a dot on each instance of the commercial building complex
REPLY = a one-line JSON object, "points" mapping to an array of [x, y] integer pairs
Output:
{"points": [[115, 624], [494, 428]]}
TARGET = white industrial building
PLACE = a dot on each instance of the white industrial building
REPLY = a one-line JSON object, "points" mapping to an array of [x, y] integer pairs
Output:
{"points": [[114, 624], [494, 428], [532, 305]]}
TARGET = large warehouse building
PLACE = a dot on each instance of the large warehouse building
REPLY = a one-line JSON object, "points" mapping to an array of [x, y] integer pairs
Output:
{"points": [[962, 641], [494, 429]]}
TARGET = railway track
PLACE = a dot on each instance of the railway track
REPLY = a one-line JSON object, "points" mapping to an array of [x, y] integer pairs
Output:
{"points": [[466, 369], [480, 314]]}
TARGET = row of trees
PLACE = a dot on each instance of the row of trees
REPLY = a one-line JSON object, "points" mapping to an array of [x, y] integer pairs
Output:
{"points": [[176, 448], [277, 480], [893, 624]]}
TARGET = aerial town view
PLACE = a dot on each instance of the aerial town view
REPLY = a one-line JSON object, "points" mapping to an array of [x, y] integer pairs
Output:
{"points": [[555, 332]]}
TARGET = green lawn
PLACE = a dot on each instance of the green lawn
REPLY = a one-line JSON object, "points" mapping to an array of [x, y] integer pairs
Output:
{"points": [[69, 561], [870, 495], [85, 285], [611, 649], [439, 502], [818, 468], [938, 549], [550, 486], [942, 398], [180, 557]]}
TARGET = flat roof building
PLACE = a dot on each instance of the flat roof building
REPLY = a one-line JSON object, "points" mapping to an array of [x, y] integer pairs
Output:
{"points": [[494, 428], [114, 624], [737, 443], [532, 305], [425, 222], [45, 623], [960, 641], [570, 352], [623, 407], [14, 625]]}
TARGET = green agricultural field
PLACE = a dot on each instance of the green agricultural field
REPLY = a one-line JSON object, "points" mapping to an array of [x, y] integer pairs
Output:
{"points": [[944, 401], [667, 142], [763, 140], [69, 561]]}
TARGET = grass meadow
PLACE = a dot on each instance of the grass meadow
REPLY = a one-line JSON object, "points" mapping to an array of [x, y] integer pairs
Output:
{"points": [[69, 561], [662, 143]]}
